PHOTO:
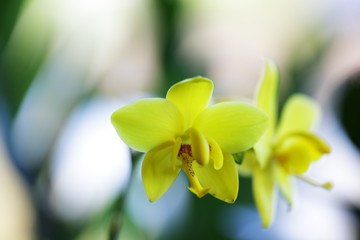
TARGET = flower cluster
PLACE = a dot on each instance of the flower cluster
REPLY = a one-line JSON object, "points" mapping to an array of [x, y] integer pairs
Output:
{"points": [[181, 132], [286, 149]]}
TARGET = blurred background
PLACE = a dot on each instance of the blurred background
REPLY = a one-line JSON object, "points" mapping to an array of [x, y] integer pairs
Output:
{"points": [[66, 65]]}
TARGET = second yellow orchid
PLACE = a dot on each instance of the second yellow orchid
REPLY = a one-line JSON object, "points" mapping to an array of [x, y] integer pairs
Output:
{"points": [[286, 149], [182, 132]]}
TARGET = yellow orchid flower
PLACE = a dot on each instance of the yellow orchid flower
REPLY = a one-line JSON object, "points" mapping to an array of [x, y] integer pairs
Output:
{"points": [[182, 132], [286, 149]]}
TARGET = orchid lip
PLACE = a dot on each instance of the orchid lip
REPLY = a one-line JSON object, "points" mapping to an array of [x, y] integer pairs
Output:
{"points": [[185, 154]]}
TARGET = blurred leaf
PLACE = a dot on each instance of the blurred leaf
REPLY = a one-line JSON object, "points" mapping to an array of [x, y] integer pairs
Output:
{"points": [[25, 52], [9, 11]]}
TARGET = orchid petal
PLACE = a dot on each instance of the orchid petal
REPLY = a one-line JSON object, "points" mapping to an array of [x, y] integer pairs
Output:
{"points": [[266, 100], [234, 126], [223, 183], [148, 123], [157, 171], [191, 96], [300, 114], [283, 181], [296, 151], [249, 164], [267, 94], [263, 151], [263, 188]]}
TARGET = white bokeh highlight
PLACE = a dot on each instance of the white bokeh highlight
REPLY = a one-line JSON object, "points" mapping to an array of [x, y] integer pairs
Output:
{"points": [[91, 165], [164, 216]]}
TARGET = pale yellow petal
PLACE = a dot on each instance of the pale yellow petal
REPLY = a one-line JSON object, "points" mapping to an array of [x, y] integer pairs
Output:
{"points": [[267, 95], [191, 96], [318, 144], [234, 126], [157, 171], [249, 164], [267, 100], [300, 113], [223, 183], [296, 151], [147, 123], [282, 179], [263, 150], [294, 155], [264, 195], [199, 146], [216, 154]]}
